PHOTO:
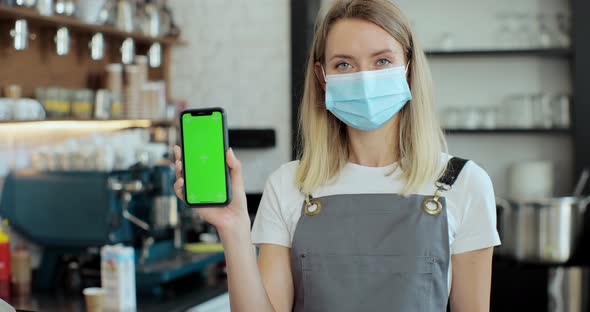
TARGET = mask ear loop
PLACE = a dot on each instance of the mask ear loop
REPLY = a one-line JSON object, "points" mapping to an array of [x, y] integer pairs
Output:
{"points": [[408, 66]]}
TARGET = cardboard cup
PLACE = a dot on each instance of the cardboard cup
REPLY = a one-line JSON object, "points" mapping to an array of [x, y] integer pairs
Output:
{"points": [[94, 298]]}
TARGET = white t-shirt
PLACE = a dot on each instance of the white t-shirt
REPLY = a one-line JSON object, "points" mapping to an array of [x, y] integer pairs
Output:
{"points": [[471, 206]]}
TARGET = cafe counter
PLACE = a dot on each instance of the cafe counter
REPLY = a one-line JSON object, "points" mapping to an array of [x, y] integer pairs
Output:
{"points": [[180, 298]]}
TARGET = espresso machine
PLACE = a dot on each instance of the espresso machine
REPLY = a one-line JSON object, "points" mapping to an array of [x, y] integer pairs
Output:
{"points": [[73, 214]]}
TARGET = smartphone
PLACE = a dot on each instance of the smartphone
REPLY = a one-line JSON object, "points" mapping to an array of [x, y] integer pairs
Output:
{"points": [[204, 143]]}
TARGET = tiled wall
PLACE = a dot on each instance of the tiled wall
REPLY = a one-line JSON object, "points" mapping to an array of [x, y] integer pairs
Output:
{"points": [[238, 57]]}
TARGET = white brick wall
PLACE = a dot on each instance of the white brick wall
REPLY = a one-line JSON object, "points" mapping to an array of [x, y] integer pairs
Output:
{"points": [[238, 57]]}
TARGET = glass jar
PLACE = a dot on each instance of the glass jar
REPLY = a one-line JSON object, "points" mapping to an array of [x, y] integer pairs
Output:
{"points": [[57, 103], [82, 104]]}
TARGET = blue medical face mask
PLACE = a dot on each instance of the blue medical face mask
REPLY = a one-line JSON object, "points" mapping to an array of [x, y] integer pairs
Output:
{"points": [[367, 100]]}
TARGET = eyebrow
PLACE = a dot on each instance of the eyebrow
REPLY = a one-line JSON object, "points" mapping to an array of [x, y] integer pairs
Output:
{"points": [[383, 52], [348, 57]]}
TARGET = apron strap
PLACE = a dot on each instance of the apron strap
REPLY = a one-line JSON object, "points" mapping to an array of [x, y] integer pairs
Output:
{"points": [[452, 171]]}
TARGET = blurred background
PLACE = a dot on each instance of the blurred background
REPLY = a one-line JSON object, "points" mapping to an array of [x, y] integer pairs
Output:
{"points": [[90, 94]]}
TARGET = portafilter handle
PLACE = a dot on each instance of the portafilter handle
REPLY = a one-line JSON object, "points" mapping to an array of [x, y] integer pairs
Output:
{"points": [[127, 190], [127, 215]]}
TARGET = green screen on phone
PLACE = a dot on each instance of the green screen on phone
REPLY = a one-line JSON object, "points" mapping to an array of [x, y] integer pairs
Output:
{"points": [[204, 158]]}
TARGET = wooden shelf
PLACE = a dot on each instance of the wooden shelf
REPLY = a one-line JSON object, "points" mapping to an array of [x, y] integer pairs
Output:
{"points": [[75, 25], [238, 138], [553, 52], [156, 123], [508, 131], [269, 134]]}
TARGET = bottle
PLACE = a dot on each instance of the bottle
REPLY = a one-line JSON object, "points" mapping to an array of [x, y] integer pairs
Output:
{"points": [[117, 273], [4, 265]]}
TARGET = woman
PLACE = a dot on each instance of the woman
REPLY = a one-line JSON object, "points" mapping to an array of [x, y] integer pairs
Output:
{"points": [[373, 217]]}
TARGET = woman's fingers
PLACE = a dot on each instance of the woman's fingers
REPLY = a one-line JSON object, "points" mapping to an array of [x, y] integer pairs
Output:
{"points": [[235, 167], [179, 188], [177, 152], [178, 169], [178, 163]]}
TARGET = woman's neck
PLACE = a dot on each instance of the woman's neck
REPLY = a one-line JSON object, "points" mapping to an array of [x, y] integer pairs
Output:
{"points": [[377, 148]]}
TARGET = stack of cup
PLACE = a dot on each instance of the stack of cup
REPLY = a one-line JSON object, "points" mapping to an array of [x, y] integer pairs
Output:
{"points": [[115, 86], [133, 107], [115, 77], [142, 65], [154, 99]]}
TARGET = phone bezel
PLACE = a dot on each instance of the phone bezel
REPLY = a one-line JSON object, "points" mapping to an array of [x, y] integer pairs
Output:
{"points": [[200, 112]]}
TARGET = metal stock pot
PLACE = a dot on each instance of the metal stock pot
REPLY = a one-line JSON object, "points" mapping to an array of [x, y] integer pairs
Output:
{"points": [[544, 231]]}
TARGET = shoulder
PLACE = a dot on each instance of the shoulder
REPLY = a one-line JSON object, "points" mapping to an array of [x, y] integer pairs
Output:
{"points": [[282, 182], [284, 175], [472, 211], [472, 178], [472, 195], [279, 208]]}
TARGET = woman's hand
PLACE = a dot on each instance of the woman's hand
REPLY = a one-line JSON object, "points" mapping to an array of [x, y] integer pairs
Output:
{"points": [[233, 224], [232, 218]]}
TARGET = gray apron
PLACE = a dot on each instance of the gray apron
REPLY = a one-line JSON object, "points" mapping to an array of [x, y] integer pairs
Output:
{"points": [[373, 252]]}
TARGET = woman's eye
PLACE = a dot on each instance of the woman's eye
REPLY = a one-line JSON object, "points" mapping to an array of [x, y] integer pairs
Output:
{"points": [[383, 62], [343, 66]]}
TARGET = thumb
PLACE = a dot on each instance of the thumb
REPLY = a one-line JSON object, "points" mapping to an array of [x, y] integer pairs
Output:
{"points": [[235, 167]]}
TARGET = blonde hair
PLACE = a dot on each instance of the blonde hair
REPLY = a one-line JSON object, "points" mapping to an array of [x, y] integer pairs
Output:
{"points": [[324, 148]]}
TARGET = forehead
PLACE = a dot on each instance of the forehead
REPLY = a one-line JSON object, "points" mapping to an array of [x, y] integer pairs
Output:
{"points": [[358, 37]]}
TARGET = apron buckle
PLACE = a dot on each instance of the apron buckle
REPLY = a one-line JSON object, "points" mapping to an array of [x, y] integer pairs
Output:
{"points": [[427, 205], [312, 207]]}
